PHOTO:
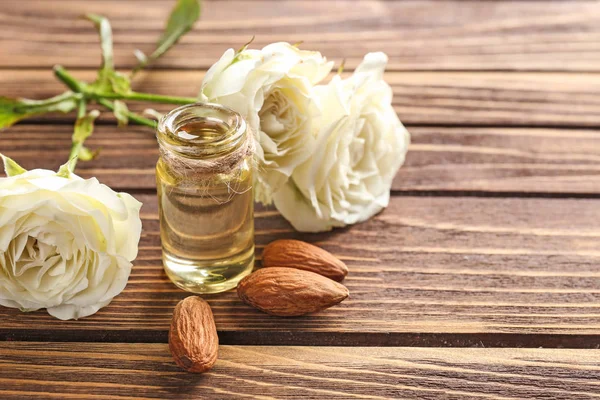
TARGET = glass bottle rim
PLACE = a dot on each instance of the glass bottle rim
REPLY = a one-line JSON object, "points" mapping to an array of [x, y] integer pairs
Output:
{"points": [[228, 128]]}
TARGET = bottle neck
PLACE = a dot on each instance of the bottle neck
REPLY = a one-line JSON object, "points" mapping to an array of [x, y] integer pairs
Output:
{"points": [[202, 131]]}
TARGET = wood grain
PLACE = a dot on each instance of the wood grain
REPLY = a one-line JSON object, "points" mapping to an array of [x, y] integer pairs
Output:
{"points": [[438, 98], [142, 371], [512, 108], [441, 158], [418, 35], [469, 159], [463, 270]]}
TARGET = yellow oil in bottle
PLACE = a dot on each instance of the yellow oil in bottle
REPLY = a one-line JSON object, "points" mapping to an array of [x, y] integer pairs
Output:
{"points": [[207, 222]]}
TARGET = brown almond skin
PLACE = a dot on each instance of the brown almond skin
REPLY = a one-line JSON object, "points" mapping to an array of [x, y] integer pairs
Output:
{"points": [[305, 256], [193, 339], [290, 292]]}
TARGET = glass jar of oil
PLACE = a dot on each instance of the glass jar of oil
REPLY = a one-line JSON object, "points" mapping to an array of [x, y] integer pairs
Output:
{"points": [[204, 185]]}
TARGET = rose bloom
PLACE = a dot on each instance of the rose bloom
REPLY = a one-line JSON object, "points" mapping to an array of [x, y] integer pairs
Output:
{"points": [[66, 244], [272, 89], [360, 146]]}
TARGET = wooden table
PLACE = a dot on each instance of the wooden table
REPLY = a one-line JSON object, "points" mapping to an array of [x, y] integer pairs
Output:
{"points": [[481, 278]]}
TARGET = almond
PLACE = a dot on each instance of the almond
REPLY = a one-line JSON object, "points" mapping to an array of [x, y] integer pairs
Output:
{"points": [[289, 292], [301, 255], [193, 339]]}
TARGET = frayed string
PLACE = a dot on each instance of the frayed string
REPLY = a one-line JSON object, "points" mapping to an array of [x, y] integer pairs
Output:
{"points": [[200, 173]]}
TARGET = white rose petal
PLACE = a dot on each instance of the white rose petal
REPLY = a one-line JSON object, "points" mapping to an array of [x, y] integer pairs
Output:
{"points": [[360, 147], [66, 244], [272, 89]]}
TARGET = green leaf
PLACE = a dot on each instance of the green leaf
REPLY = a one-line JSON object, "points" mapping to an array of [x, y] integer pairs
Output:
{"points": [[239, 53], [245, 46], [67, 168], [182, 19], [120, 83], [141, 57], [11, 168], [341, 67], [108, 80], [105, 31], [84, 127], [14, 110], [102, 83], [85, 154], [121, 113]]}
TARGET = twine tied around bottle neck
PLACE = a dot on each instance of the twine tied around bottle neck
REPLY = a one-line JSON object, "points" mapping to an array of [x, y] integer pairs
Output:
{"points": [[192, 168]]}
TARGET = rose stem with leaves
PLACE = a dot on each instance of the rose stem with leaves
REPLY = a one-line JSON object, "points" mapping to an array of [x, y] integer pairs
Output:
{"points": [[110, 88]]}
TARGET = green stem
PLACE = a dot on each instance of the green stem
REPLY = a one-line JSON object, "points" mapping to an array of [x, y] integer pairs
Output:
{"points": [[81, 106], [68, 79], [34, 106], [76, 146], [153, 98], [102, 99], [77, 86], [138, 119]]}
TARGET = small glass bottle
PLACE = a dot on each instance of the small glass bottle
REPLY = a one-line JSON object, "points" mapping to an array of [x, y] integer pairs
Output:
{"points": [[206, 205]]}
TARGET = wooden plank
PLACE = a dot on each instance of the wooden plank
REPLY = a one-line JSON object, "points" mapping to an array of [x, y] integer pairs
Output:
{"points": [[483, 160], [440, 98], [522, 161], [418, 35], [142, 371], [428, 270]]}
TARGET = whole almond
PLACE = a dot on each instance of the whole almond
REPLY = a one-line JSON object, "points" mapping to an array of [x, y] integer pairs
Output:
{"points": [[289, 292], [193, 339], [301, 255]]}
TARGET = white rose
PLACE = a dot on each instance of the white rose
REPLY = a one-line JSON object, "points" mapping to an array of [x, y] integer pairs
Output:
{"points": [[272, 89], [66, 244], [360, 147]]}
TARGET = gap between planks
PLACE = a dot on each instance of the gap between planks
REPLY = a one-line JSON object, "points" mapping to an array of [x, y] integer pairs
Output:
{"points": [[323, 339], [65, 120], [444, 193]]}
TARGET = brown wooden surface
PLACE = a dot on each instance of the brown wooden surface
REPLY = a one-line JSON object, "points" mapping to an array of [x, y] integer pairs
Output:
{"points": [[141, 371], [466, 159], [512, 267], [418, 35], [491, 238], [425, 98]]}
